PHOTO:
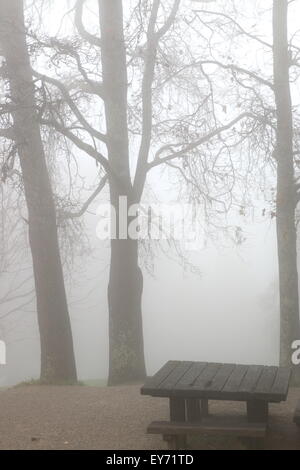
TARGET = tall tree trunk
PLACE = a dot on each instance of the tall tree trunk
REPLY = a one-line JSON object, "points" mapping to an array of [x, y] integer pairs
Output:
{"points": [[57, 354], [286, 205], [126, 350]]}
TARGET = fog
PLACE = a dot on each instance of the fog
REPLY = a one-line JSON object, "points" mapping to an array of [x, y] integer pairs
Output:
{"points": [[149, 215], [228, 309]]}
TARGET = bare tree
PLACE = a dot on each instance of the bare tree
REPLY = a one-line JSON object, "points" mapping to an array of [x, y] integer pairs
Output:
{"points": [[286, 193], [267, 96], [57, 355], [137, 49]]}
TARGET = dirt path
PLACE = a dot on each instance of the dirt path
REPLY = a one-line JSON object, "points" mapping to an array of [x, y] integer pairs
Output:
{"points": [[49, 417]]}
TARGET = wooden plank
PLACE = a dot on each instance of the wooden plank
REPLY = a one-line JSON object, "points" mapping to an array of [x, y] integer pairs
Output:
{"points": [[233, 427], [154, 381], [189, 378], [204, 381], [204, 408], [221, 377], [250, 379], [266, 380], [281, 382], [199, 380], [234, 381], [206, 377], [176, 374]]}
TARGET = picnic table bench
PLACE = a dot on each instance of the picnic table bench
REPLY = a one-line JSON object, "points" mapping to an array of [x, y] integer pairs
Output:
{"points": [[190, 385]]}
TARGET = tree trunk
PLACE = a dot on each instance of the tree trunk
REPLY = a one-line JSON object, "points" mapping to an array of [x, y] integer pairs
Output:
{"points": [[126, 351], [286, 200], [57, 354], [126, 348]]}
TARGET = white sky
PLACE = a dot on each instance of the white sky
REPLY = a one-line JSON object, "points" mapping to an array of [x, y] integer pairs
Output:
{"points": [[232, 308]]}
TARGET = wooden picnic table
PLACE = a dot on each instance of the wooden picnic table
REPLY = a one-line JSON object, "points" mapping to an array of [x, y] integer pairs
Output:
{"points": [[189, 385]]}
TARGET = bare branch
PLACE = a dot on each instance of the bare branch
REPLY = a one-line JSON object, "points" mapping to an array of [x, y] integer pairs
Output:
{"points": [[90, 38], [241, 29], [206, 138], [238, 69], [17, 309], [169, 21], [70, 215], [91, 151], [91, 87], [44, 78], [148, 78]]}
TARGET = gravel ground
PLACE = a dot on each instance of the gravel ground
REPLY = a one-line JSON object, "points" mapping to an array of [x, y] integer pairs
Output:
{"points": [[50, 417]]}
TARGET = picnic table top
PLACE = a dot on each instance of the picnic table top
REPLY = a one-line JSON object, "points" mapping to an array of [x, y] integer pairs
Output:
{"points": [[188, 379]]}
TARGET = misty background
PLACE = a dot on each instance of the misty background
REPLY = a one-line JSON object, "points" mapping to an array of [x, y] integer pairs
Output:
{"points": [[227, 310]]}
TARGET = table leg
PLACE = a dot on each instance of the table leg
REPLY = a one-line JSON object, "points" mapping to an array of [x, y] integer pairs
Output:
{"points": [[177, 409], [171, 442], [193, 410], [204, 408], [177, 413], [257, 411]]}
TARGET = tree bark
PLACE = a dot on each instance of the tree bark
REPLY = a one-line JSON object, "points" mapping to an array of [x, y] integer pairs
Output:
{"points": [[126, 350], [57, 354], [286, 200]]}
